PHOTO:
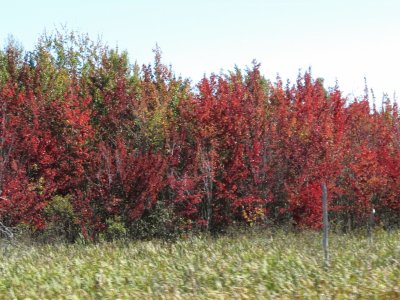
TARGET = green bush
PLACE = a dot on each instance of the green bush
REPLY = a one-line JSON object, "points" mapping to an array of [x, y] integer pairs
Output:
{"points": [[155, 223], [116, 229], [62, 221]]}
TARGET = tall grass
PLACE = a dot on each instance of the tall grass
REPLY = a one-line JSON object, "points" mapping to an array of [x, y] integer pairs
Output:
{"points": [[260, 265]]}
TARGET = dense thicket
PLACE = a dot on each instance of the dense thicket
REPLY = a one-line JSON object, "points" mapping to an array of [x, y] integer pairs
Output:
{"points": [[91, 144]]}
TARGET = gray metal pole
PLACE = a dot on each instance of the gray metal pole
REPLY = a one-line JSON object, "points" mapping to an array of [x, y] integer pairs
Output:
{"points": [[370, 225], [325, 223]]}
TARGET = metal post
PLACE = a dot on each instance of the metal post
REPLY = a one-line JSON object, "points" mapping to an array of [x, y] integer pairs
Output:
{"points": [[325, 223], [370, 225]]}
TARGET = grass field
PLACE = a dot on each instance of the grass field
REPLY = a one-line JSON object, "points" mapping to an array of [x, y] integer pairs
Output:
{"points": [[257, 265]]}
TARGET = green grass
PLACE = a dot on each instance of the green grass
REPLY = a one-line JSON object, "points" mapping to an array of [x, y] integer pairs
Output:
{"points": [[253, 266]]}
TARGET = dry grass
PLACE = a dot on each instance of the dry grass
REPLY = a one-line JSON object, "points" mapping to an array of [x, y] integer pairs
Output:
{"points": [[253, 266]]}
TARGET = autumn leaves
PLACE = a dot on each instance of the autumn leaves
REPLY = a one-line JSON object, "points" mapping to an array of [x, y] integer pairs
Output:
{"points": [[117, 140]]}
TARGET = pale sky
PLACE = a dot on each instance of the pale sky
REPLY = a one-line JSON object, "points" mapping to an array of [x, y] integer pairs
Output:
{"points": [[343, 40]]}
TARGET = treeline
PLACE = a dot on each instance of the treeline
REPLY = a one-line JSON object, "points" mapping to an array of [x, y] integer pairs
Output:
{"points": [[92, 145]]}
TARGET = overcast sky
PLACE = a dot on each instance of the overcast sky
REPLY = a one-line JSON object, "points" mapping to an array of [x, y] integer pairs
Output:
{"points": [[339, 39]]}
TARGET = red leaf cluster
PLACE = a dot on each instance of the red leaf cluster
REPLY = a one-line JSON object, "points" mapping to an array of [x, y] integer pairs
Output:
{"points": [[234, 149]]}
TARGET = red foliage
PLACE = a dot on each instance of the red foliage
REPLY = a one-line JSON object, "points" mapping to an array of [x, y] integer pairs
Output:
{"points": [[239, 149]]}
